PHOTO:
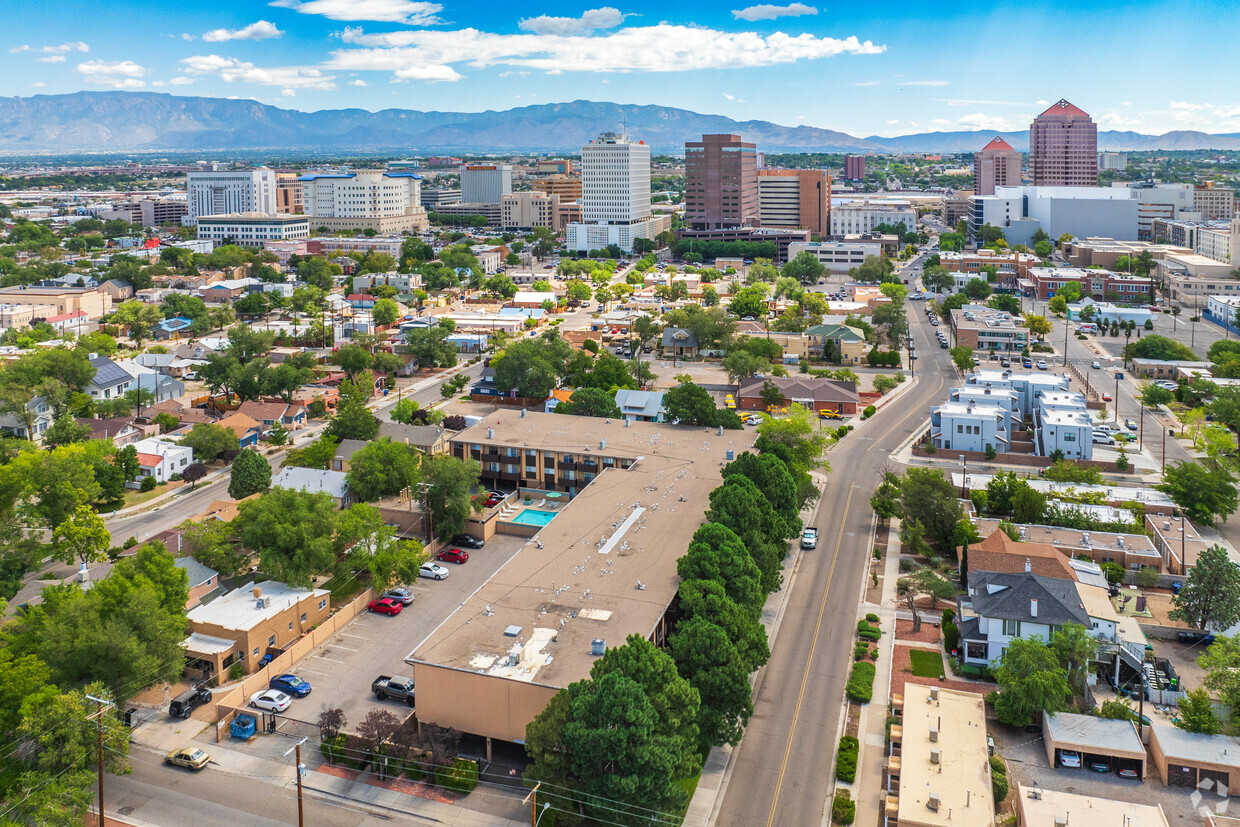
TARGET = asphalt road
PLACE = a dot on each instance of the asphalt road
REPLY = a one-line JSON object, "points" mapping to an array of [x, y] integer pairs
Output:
{"points": [[780, 775]]}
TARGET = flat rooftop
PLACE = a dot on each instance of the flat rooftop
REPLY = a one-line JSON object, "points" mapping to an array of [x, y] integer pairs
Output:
{"points": [[604, 567], [1136, 544], [1045, 808], [961, 777], [239, 608], [1113, 493], [1094, 735], [1195, 748]]}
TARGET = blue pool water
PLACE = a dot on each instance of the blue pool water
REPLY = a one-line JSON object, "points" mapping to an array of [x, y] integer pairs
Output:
{"points": [[532, 516]]}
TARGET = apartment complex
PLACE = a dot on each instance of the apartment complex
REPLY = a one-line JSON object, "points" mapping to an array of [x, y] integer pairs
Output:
{"points": [[386, 202], [1063, 148], [485, 183], [227, 193], [721, 183], [59, 300], [795, 199], [854, 167], [615, 195], [996, 165], [252, 229], [855, 216]]}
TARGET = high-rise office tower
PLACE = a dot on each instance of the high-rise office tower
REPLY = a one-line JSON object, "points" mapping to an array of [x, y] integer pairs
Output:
{"points": [[615, 195], [231, 192], [721, 183], [1063, 148], [485, 183], [997, 165], [797, 199], [854, 167]]}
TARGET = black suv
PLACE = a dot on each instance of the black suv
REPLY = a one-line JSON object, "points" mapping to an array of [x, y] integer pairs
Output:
{"points": [[185, 703], [467, 541]]}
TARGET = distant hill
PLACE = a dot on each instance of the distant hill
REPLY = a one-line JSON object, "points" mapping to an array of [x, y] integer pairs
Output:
{"points": [[147, 121]]}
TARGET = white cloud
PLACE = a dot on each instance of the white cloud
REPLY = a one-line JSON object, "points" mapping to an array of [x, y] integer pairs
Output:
{"points": [[1042, 103], [659, 48], [181, 80], [994, 123], [892, 123], [63, 48], [926, 83], [801, 118], [358, 82], [729, 97], [409, 12], [769, 12], [186, 36], [38, 84], [52, 59], [1188, 107], [868, 83], [232, 70], [590, 20], [288, 93], [258, 30], [119, 74], [1126, 103]]}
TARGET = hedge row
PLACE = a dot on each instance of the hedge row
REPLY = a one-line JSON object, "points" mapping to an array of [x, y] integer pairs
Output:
{"points": [[860, 686], [843, 808], [846, 761]]}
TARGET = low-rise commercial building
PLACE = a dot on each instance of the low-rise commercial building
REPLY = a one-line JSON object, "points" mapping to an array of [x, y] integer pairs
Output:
{"points": [[837, 341], [862, 215], [1178, 541], [837, 256], [1040, 807], [252, 229], [59, 300], [983, 328], [1223, 310], [1097, 284]]}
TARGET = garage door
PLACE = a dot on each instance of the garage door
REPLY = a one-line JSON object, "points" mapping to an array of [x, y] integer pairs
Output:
{"points": [[1218, 781], [1181, 776]]}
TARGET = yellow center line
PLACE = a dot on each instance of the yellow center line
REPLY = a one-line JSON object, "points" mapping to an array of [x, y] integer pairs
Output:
{"points": [[879, 440], [822, 608]]}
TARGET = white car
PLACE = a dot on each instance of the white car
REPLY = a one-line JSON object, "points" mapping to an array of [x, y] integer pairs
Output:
{"points": [[1069, 758], [1095, 365], [433, 571], [1041, 364], [1167, 385], [272, 700], [1103, 438]]}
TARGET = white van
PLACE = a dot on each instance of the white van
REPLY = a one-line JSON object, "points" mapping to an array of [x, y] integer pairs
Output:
{"points": [[1086, 328]]}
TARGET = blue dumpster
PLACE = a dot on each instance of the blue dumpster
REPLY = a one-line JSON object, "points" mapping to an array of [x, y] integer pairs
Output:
{"points": [[243, 727]]}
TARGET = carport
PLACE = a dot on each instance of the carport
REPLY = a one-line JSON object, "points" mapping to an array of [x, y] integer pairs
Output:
{"points": [[1098, 740], [1193, 759]]}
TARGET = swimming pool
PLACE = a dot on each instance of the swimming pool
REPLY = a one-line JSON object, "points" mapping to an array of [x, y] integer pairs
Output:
{"points": [[533, 516]]}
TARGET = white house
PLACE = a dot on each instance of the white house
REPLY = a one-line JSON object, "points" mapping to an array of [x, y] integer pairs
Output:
{"points": [[1025, 384], [970, 426], [641, 406], [161, 460], [1069, 431]]}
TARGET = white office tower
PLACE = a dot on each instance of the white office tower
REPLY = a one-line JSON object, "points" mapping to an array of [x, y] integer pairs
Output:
{"points": [[386, 202], [615, 195], [485, 183], [228, 193]]}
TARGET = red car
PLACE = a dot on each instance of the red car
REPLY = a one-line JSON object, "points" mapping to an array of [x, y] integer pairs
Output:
{"points": [[1106, 397], [494, 499], [453, 555], [385, 606]]}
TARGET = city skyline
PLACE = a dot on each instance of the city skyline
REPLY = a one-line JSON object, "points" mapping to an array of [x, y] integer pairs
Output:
{"points": [[797, 64]]}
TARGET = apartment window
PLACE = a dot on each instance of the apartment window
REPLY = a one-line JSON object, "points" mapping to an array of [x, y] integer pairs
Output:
{"points": [[271, 641], [290, 625], [1011, 628], [323, 604], [255, 651], [303, 619]]}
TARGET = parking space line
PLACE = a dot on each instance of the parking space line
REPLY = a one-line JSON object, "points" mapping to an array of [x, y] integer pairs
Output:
{"points": [[330, 660], [359, 637]]}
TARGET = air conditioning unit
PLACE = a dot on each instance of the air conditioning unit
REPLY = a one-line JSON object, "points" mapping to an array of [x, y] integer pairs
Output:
{"points": [[933, 802]]}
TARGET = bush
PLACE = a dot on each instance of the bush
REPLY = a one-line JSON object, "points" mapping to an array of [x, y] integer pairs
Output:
{"points": [[333, 750], [1000, 785], [843, 808], [236, 671], [846, 760], [1147, 578], [951, 637], [461, 777], [868, 412], [991, 453], [860, 686], [997, 765], [871, 618], [870, 633], [147, 484], [860, 650], [930, 449]]}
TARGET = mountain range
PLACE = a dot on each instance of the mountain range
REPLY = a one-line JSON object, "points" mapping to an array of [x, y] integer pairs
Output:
{"points": [[146, 121]]}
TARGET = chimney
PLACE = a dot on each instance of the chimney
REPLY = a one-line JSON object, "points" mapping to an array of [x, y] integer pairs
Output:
{"points": [[258, 591], [1033, 607], [1028, 566]]}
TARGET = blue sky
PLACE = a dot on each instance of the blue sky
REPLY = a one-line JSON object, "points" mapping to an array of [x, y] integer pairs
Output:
{"points": [[866, 68]]}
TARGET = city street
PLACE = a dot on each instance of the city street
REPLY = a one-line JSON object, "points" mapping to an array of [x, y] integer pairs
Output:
{"points": [[780, 769]]}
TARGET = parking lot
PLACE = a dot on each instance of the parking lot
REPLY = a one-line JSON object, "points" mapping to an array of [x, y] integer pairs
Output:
{"points": [[342, 670]]}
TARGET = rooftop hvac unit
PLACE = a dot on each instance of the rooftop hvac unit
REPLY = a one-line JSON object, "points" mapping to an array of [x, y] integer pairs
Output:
{"points": [[933, 802], [1061, 821], [598, 646], [729, 455], [934, 733], [935, 756], [934, 693]]}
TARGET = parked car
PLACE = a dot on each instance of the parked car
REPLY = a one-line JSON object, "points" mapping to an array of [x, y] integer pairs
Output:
{"points": [[1103, 438], [1069, 758], [1095, 365], [1041, 364], [1167, 384], [828, 415], [754, 420], [1106, 397], [809, 538], [453, 555], [1130, 424], [1127, 772], [394, 687], [1028, 363], [290, 684], [185, 703], [943, 345], [1100, 766], [401, 594], [385, 606], [494, 498], [467, 541], [191, 758], [271, 700], [433, 571]]}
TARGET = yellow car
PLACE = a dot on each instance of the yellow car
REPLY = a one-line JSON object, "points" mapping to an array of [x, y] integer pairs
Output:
{"points": [[729, 402], [828, 415], [189, 757]]}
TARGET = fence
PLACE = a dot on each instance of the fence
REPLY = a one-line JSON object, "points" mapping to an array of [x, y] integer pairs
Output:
{"points": [[226, 707], [1029, 460]]}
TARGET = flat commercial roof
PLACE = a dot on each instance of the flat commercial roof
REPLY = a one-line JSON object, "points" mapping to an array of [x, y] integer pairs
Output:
{"points": [[961, 778], [239, 609], [1134, 544], [1112, 493], [604, 567], [1193, 748], [1043, 808], [1100, 736]]}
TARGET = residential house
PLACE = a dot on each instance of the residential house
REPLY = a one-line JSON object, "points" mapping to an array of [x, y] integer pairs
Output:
{"points": [[228, 290], [174, 328], [161, 387], [345, 451], [641, 406], [203, 580], [160, 459], [110, 381], [1001, 554], [361, 301], [814, 393], [244, 624], [75, 322], [558, 395], [1132, 551], [313, 481], [184, 413], [832, 341], [39, 417], [119, 289], [1068, 431], [120, 430], [247, 430], [678, 342], [429, 439], [269, 414]]}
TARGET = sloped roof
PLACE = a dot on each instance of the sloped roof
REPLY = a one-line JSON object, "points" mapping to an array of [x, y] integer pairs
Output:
{"points": [[639, 403], [108, 373], [820, 390], [1062, 107], [1000, 553], [239, 424], [1008, 597], [420, 436], [679, 337], [997, 144], [196, 572]]}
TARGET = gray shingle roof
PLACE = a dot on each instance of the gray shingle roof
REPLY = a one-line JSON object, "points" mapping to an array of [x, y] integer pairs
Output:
{"points": [[108, 374], [419, 436], [679, 337], [639, 403], [1007, 596], [195, 571]]}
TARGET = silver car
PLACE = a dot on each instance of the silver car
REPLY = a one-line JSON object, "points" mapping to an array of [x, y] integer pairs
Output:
{"points": [[400, 594]]}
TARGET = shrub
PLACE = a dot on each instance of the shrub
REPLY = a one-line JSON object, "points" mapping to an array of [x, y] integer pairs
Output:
{"points": [[906, 565], [333, 749], [991, 453], [236, 671], [147, 484], [860, 686], [874, 653], [949, 615], [930, 449], [997, 765], [1000, 785], [1147, 578], [860, 650], [461, 777], [846, 760], [951, 636], [870, 633], [868, 412], [871, 618], [843, 808]]}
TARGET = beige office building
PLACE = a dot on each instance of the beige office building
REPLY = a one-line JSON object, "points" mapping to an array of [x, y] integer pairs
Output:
{"points": [[795, 199], [526, 210], [91, 301], [565, 186]]}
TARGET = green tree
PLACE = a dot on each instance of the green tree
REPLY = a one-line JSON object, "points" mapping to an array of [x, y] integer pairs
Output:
{"points": [[885, 501], [740, 364], [353, 359], [404, 411], [1057, 304], [448, 497], [719, 555], [1197, 713], [590, 402], [317, 454], [82, 537], [1210, 598], [977, 289], [353, 420], [1152, 396], [805, 268], [210, 441], [251, 474], [532, 367], [1031, 681], [1118, 710], [707, 658], [293, 533], [926, 495], [383, 469], [137, 318], [214, 544], [1158, 347], [739, 505], [64, 430], [430, 346], [1074, 647], [920, 584], [1204, 494], [688, 404]]}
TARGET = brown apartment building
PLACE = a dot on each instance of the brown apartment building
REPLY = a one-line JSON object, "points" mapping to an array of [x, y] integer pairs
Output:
{"points": [[1063, 148], [795, 199], [721, 183], [997, 165]]}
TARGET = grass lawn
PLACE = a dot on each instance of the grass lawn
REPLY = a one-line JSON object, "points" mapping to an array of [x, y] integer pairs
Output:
{"points": [[134, 497], [688, 785], [344, 586], [926, 664]]}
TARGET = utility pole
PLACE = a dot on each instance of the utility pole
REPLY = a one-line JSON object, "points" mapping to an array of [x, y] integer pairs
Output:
{"points": [[425, 488], [301, 813], [100, 705], [532, 798]]}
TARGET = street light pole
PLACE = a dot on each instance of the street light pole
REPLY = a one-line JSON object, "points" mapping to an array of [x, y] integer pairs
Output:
{"points": [[964, 474]]}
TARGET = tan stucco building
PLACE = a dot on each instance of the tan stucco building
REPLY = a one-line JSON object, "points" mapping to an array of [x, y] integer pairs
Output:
{"points": [[91, 301]]}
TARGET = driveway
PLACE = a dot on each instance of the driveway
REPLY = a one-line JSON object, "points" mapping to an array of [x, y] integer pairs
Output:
{"points": [[342, 670]]}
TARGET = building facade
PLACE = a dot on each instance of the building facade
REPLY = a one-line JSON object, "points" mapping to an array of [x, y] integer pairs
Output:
{"points": [[795, 199], [837, 256], [223, 193], [854, 167], [996, 165], [721, 183], [289, 194], [485, 183], [526, 210], [1114, 161], [615, 195], [386, 202], [863, 215], [1063, 147], [252, 229]]}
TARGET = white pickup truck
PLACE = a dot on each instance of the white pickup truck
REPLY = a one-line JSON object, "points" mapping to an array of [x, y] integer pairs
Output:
{"points": [[809, 538]]}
